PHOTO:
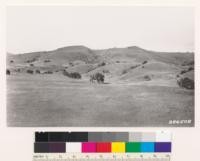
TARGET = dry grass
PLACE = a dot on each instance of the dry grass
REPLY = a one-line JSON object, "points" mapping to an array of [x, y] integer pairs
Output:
{"points": [[49, 100]]}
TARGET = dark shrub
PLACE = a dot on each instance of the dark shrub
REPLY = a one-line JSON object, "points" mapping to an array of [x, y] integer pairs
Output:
{"points": [[124, 71], [183, 71], [8, 72], [17, 70], [133, 67], [32, 60], [117, 61], [144, 62], [46, 61], [71, 64], [190, 68], [147, 78], [98, 77], [37, 71], [11, 61], [102, 64], [48, 72], [74, 75], [186, 83], [31, 65], [29, 71]]}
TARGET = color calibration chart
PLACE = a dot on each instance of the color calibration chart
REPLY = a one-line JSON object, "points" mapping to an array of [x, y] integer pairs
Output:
{"points": [[128, 146]]}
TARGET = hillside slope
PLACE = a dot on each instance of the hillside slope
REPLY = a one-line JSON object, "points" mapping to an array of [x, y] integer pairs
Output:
{"points": [[121, 64]]}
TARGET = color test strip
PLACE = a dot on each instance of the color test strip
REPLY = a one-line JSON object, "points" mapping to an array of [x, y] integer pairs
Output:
{"points": [[103, 147], [118, 147], [57, 137], [48, 147], [135, 137], [74, 147], [41, 147], [148, 137], [163, 137], [57, 147], [102, 137], [95, 137], [163, 147], [88, 147], [78, 137], [102, 142], [133, 147], [41, 137], [147, 147]]}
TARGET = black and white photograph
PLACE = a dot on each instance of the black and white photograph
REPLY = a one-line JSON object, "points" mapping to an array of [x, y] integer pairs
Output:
{"points": [[100, 66]]}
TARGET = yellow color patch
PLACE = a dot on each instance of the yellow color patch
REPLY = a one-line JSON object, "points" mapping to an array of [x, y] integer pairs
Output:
{"points": [[118, 147]]}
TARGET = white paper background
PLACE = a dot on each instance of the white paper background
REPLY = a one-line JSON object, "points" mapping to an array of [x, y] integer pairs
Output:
{"points": [[16, 144]]}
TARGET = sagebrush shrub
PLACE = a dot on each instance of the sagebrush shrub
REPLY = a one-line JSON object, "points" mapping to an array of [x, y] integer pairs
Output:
{"points": [[74, 75], [8, 72], [30, 71], [186, 83]]}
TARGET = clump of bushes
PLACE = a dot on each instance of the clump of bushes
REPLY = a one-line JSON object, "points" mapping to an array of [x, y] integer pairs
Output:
{"points": [[30, 71], [31, 65], [186, 83], [144, 62], [124, 71], [99, 77], [190, 68], [31, 61], [133, 67], [147, 78], [187, 70], [46, 61], [8, 72], [37, 71], [183, 71], [71, 64], [127, 70], [74, 75], [11, 61], [102, 64], [48, 72]]}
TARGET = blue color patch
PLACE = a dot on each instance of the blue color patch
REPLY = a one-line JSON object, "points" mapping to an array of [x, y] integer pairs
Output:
{"points": [[147, 147]]}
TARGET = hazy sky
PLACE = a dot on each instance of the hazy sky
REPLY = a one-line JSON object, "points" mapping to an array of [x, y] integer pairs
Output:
{"points": [[42, 28]]}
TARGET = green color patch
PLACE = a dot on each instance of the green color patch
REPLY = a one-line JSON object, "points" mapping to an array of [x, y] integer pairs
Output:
{"points": [[133, 147]]}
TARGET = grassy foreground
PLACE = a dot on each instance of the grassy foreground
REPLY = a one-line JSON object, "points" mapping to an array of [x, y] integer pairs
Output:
{"points": [[49, 100]]}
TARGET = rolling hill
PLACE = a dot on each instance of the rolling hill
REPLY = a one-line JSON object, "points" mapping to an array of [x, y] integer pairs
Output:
{"points": [[130, 64]]}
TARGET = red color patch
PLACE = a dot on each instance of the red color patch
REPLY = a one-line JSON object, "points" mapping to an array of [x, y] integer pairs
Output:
{"points": [[103, 147]]}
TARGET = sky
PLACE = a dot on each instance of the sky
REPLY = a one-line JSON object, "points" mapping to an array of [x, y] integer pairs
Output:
{"points": [[43, 28]]}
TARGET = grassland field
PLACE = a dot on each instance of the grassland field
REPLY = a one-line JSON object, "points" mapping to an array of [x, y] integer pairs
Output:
{"points": [[49, 100]]}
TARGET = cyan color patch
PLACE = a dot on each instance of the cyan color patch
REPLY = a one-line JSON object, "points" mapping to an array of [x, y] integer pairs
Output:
{"points": [[147, 146]]}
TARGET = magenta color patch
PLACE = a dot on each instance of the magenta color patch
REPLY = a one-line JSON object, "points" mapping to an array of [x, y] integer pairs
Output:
{"points": [[88, 147]]}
